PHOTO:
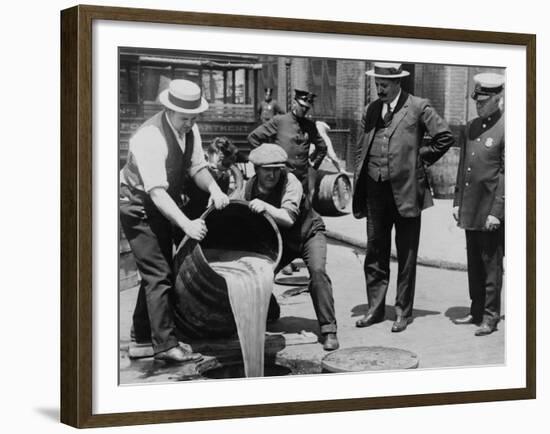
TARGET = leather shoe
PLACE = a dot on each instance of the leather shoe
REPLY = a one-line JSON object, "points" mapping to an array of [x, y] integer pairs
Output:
{"points": [[401, 324], [468, 319], [178, 355], [487, 327], [368, 320], [331, 342]]}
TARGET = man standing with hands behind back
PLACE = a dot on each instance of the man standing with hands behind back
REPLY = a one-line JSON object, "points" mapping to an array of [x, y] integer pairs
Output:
{"points": [[391, 187], [479, 203]]}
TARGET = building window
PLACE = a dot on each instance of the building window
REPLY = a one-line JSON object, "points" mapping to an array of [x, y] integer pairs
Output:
{"points": [[322, 82]]}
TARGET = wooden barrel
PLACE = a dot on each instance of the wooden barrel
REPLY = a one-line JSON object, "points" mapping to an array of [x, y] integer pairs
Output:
{"points": [[128, 274], [202, 303], [332, 193], [442, 174]]}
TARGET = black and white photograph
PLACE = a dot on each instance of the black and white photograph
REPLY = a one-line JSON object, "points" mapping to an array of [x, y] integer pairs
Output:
{"points": [[284, 216]]}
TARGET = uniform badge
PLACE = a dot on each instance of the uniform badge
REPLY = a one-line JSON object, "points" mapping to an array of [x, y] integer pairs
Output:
{"points": [[489, 142]]}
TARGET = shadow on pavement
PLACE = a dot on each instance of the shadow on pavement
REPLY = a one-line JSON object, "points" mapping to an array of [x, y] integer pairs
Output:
{"points": [[457, 312], [294, 324], [361, 309]]}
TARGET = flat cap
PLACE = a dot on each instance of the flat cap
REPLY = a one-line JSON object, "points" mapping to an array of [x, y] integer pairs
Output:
{"points": [[268, 155], [487, 84]]}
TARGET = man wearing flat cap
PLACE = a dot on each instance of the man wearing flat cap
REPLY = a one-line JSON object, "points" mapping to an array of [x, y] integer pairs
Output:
{"points": [[479, 203], [391, 188], [294, 133], [278, 193], [269, 107], [164, 154]]}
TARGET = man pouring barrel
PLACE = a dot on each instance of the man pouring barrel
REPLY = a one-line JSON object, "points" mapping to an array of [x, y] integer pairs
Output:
{"points": [[277, 192], [164, 154]]}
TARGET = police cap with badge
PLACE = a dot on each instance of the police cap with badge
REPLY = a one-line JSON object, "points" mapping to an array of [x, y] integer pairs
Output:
{"points": [[304, 98], [487, 84]]}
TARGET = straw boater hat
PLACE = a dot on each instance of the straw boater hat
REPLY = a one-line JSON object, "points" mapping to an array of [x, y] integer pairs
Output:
{"points": [[183, 96], [268, 155], [387, 70], [487, 84]]}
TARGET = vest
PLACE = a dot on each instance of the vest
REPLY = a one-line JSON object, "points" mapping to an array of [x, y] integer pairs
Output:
{"points": [[378, 156], [177, 163]]}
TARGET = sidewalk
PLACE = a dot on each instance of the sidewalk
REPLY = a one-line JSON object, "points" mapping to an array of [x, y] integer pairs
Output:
{"points": [[442, 243]]}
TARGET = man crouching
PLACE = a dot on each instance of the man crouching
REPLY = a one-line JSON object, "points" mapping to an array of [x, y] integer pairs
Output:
{"points": [[278, 193]]}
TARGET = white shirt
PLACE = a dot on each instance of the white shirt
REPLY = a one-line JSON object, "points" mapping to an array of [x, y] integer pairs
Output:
{"points": [[150, 150], [392, 105]]}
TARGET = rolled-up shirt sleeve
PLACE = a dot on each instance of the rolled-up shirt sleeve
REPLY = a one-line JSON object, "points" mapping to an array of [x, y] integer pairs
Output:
{"points": [[150, 152], [198, 162], [292, 196]]}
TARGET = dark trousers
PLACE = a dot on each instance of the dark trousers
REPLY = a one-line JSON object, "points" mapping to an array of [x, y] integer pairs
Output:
{"points": [[485, 252], [314, 253], [382, 215], [151, 239]]}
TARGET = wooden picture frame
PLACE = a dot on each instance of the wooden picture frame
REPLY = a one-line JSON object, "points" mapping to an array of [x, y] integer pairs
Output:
{"points": [[77, 382]]}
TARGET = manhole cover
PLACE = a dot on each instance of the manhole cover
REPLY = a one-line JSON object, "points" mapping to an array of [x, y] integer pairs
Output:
{"points": [[358, 359]]}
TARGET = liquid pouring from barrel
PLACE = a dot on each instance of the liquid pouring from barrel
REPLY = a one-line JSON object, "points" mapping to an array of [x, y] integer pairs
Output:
{"points": [[203, 304]]}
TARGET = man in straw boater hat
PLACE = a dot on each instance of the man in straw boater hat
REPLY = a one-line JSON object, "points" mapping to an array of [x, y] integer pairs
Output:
{"points": [[275, 191], [391, 187], [479, 202], [164, 154]]}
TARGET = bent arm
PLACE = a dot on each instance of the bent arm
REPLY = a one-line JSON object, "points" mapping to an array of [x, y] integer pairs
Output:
{"points": [[438, 129], [320, 151], [281, 216], [322, 128], [265, 133], [206, 182], [168, 207]]}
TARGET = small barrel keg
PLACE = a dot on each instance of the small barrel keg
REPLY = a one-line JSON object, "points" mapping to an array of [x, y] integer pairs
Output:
{"points": [[332, 193]]}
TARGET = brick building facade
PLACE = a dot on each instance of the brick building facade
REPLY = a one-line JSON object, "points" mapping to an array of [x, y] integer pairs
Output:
{"points": [[343, 90]]}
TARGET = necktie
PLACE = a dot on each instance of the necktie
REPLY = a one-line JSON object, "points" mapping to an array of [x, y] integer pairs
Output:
{"points": [[388, 116]]}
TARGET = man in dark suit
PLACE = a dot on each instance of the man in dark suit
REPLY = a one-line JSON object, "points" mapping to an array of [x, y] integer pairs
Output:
{"points": [[479, 203], [391, 188]]}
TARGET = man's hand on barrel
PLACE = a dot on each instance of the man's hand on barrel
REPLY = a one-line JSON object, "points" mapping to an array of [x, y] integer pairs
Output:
{"points": [[258, 205], [195, 229], [219, 199]]}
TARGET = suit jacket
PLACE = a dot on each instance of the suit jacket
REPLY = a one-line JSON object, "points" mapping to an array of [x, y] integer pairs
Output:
{"points": [[479, 189], [407, 154]]}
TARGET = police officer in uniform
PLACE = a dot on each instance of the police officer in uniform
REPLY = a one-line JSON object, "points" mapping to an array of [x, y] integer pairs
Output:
{"points": [[294, 132], [269, 107], [479, 203], [278, 193]]}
